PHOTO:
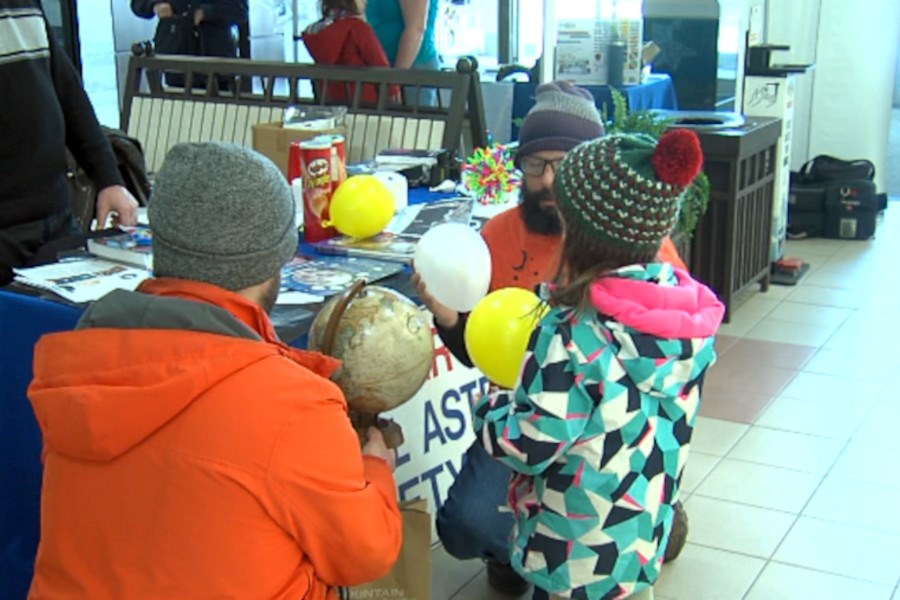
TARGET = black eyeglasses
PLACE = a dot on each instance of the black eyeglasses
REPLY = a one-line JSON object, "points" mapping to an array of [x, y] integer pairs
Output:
{"points": [[535, 167]]}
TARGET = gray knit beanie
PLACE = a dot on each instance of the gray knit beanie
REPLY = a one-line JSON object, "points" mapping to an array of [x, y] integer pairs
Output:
{"points": [[563, 116], [221, 214]]}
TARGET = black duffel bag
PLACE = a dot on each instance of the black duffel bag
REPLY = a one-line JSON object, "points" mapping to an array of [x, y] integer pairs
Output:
{"points": [[835, 198], [806, 208], [851, 209], [828, 168]]}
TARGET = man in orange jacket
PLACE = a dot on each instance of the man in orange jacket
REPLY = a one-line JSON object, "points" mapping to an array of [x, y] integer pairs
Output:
{"points": [[188, 452], [524, 243]]}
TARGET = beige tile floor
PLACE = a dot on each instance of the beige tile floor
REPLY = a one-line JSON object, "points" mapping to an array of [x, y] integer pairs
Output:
{"points": [[792, 483]]}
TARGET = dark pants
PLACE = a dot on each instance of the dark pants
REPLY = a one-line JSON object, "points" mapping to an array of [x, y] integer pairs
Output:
{"points": [[474, 521], [21, 245]]}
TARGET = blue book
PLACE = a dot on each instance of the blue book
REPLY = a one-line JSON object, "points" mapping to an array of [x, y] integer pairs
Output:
{"points": [[394, 247]]}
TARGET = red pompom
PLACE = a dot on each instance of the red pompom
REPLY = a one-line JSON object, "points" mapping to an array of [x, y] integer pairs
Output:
{"points": [[678, 157]]}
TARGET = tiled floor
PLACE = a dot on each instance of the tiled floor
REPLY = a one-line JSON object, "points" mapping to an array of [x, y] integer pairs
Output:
{"points": [[792, 482]]}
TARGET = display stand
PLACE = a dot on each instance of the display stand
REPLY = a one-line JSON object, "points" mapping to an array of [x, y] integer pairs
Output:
{"points": [[769, 91]]}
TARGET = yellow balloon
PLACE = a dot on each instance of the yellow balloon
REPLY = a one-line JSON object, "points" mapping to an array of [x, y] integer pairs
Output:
{"points": [[361, 207], [498, 330]]}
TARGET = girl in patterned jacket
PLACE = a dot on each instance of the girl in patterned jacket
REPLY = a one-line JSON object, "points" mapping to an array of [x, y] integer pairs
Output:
{"points": [[599, 425]]}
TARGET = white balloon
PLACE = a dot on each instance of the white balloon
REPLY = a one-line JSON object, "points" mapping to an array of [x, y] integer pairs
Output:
{"points": [[455, 264], [397, 184]]}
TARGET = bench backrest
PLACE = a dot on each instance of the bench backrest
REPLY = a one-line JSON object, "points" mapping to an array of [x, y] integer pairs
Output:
{"points": [[238, 94]]}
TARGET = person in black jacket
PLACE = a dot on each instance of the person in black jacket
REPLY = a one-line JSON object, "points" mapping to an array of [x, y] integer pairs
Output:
{"points": [[46, 110], [215, 21]]}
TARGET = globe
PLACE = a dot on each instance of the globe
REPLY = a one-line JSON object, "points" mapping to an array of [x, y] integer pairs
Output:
{"points": [[383, 341]]}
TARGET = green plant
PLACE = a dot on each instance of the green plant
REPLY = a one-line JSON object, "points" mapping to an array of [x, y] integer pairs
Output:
{"points": [[695, 200]]}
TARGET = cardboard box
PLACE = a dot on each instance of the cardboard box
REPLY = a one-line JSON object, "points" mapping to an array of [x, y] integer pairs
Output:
{"points": [[410, 577], [650, 51], [274, 141]]}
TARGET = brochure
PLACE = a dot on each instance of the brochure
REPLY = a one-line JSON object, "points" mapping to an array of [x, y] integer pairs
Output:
{"points": [[82, 279]]}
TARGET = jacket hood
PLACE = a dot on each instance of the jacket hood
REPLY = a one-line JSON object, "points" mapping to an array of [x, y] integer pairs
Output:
{"points": [[662, 322], [138, 359], [325, 39]]}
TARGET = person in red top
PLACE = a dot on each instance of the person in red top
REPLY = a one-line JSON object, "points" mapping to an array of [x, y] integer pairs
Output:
{"points": [[188, 452], [343, 37], [525, 244]]}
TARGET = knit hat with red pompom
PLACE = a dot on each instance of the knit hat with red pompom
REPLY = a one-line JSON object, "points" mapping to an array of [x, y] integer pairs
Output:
{"points": [[625, 190]]}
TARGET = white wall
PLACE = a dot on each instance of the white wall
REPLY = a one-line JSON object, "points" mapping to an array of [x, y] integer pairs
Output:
{"points": [[98, 59], [796, 23], [897, 82], [854, 80]]}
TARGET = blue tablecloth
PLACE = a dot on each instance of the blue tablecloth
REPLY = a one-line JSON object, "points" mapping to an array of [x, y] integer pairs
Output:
{"points": [[23, 319], [657, 92]]}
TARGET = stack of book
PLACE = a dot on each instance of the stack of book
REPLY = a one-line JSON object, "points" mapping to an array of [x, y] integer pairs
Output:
{"points": [[132, 247]]}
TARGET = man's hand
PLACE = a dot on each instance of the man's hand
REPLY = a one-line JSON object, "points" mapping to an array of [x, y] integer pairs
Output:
{"points": [[116, 202], [198, 16], [163, 10], [444, 316], [376, 447]]}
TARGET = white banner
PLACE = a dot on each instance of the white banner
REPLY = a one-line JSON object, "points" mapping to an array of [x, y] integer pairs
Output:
{"points": [[437, 427]]}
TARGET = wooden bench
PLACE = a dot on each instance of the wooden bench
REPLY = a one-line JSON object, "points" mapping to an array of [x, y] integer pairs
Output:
{"points": [[239, 94]]}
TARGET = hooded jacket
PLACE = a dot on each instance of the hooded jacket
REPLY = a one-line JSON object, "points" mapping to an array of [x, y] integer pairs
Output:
{"points": [[342, 39], [598, 430], [190, 454]]}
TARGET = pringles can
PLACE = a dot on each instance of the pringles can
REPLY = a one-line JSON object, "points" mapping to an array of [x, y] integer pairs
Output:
{"points": [[315, 160], [295, 179], [338, 160], [295, 168]]}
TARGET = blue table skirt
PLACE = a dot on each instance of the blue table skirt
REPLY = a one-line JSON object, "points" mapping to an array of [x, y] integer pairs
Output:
{"points": [[657, 92], [23, 319]]}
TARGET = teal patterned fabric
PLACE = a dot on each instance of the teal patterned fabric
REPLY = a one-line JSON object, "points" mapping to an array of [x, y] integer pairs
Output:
{"points": [[598, 432]]}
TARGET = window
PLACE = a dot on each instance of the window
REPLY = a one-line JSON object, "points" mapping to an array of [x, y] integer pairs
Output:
{"points": [[467, 28], [530, 45]]}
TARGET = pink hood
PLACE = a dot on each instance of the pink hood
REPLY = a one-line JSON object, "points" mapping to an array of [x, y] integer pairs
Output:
{"points": [[687, 309]]}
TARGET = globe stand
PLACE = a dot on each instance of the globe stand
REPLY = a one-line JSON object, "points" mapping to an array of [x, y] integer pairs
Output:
{"points": [[392, 432], [361, 420]]}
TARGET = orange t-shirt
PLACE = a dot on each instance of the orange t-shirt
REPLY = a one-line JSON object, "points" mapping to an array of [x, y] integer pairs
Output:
{"points": [[669, 253], [519, 258], [524, 259]]}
